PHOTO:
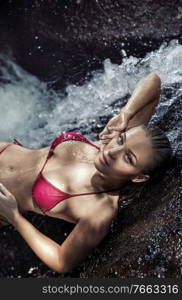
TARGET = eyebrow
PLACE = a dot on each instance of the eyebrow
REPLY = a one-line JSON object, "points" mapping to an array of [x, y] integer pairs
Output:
{"points": [[124, 132]]}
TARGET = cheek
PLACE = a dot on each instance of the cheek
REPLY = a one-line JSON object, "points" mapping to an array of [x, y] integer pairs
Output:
{"points": [[123, 168]]}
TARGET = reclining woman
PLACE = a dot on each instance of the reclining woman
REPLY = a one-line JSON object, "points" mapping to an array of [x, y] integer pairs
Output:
{"points": [[91, 174]]}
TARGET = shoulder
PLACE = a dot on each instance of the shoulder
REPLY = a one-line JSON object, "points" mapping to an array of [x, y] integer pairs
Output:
{"points": [[98, 225], [102, 214]]}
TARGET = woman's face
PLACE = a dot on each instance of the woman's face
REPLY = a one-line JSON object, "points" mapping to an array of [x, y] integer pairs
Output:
{"points": [[126, 155]]}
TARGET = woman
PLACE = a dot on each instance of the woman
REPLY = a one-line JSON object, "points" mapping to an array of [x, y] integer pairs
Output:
{"points": [[91, 174]]}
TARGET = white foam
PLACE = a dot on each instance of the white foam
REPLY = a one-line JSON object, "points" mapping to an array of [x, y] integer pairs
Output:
{"points": [[34, 114]]}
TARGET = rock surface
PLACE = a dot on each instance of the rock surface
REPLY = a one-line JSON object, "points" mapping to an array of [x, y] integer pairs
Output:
{"points": [[60, 42]]}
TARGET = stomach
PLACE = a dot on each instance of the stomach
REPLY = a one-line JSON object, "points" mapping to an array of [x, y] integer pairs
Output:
{"points": [[19, 168]]}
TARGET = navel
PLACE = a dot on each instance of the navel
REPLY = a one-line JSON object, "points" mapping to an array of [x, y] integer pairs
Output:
{"points": [[11, 168]]}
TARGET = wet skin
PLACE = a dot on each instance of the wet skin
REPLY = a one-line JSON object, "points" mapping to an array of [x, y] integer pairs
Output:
{"points": [[121, 166], [126, 155]]}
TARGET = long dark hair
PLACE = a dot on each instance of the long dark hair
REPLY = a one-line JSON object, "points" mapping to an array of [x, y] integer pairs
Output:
{"points": [[160, 145]]}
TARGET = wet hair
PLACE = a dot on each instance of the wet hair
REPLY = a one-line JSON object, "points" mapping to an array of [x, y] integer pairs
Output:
{"points": [[156, 169], [161, 147]]}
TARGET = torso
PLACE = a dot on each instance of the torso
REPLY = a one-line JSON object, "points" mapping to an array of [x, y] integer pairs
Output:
{"points": [[69, 169]]}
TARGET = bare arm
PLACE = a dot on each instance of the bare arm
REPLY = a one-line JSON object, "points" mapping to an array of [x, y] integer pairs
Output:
{"points": [[142, 103], [86, 235], [139, 108]]}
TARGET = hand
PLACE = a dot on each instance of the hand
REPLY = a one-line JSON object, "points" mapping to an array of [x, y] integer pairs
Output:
{"points": [[8, 204], [117, 123]]}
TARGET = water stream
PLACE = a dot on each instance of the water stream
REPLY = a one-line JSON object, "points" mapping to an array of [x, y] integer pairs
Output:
{"points": [[34, 113]]}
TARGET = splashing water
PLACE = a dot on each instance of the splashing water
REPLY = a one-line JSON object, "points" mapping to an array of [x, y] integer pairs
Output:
{"points": [[32, 112]]}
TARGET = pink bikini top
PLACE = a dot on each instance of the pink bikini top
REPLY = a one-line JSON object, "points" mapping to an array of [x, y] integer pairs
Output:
{"points": [[44, 193]]}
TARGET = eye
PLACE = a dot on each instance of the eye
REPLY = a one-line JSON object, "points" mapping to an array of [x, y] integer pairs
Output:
{"points": [[128, 158]]}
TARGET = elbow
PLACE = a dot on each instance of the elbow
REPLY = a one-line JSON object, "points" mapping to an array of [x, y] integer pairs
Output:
{"points": [[155, 77], [61, 269], [156, 84]]}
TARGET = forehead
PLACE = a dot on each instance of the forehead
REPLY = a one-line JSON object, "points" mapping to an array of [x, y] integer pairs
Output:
{"points": [[140, 144], [137, 131]]}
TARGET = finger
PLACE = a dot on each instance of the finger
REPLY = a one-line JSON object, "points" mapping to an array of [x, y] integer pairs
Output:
{"points": [[108, 136], [119, 128], [108, 129], [116, 128], [104, 137], [105, 142], [103, 132], [4, 190], [121, 125], [2, 196]]}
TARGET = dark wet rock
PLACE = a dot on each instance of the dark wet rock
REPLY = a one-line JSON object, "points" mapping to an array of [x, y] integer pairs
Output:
{"points": [[144, 241], [61, 41], [142, 244]]}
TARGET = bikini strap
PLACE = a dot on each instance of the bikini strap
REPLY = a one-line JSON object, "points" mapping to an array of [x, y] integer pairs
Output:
{"points": [[5, 148], [16, 142], [68, 136], [58, 140], [94, 193], [63, 137]]}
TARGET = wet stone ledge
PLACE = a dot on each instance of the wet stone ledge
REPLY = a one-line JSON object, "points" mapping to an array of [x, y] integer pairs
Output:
{"points": [[61, 41]]}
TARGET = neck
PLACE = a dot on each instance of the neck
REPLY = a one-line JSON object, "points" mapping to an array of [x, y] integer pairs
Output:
{"points": [[99, 181]]}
